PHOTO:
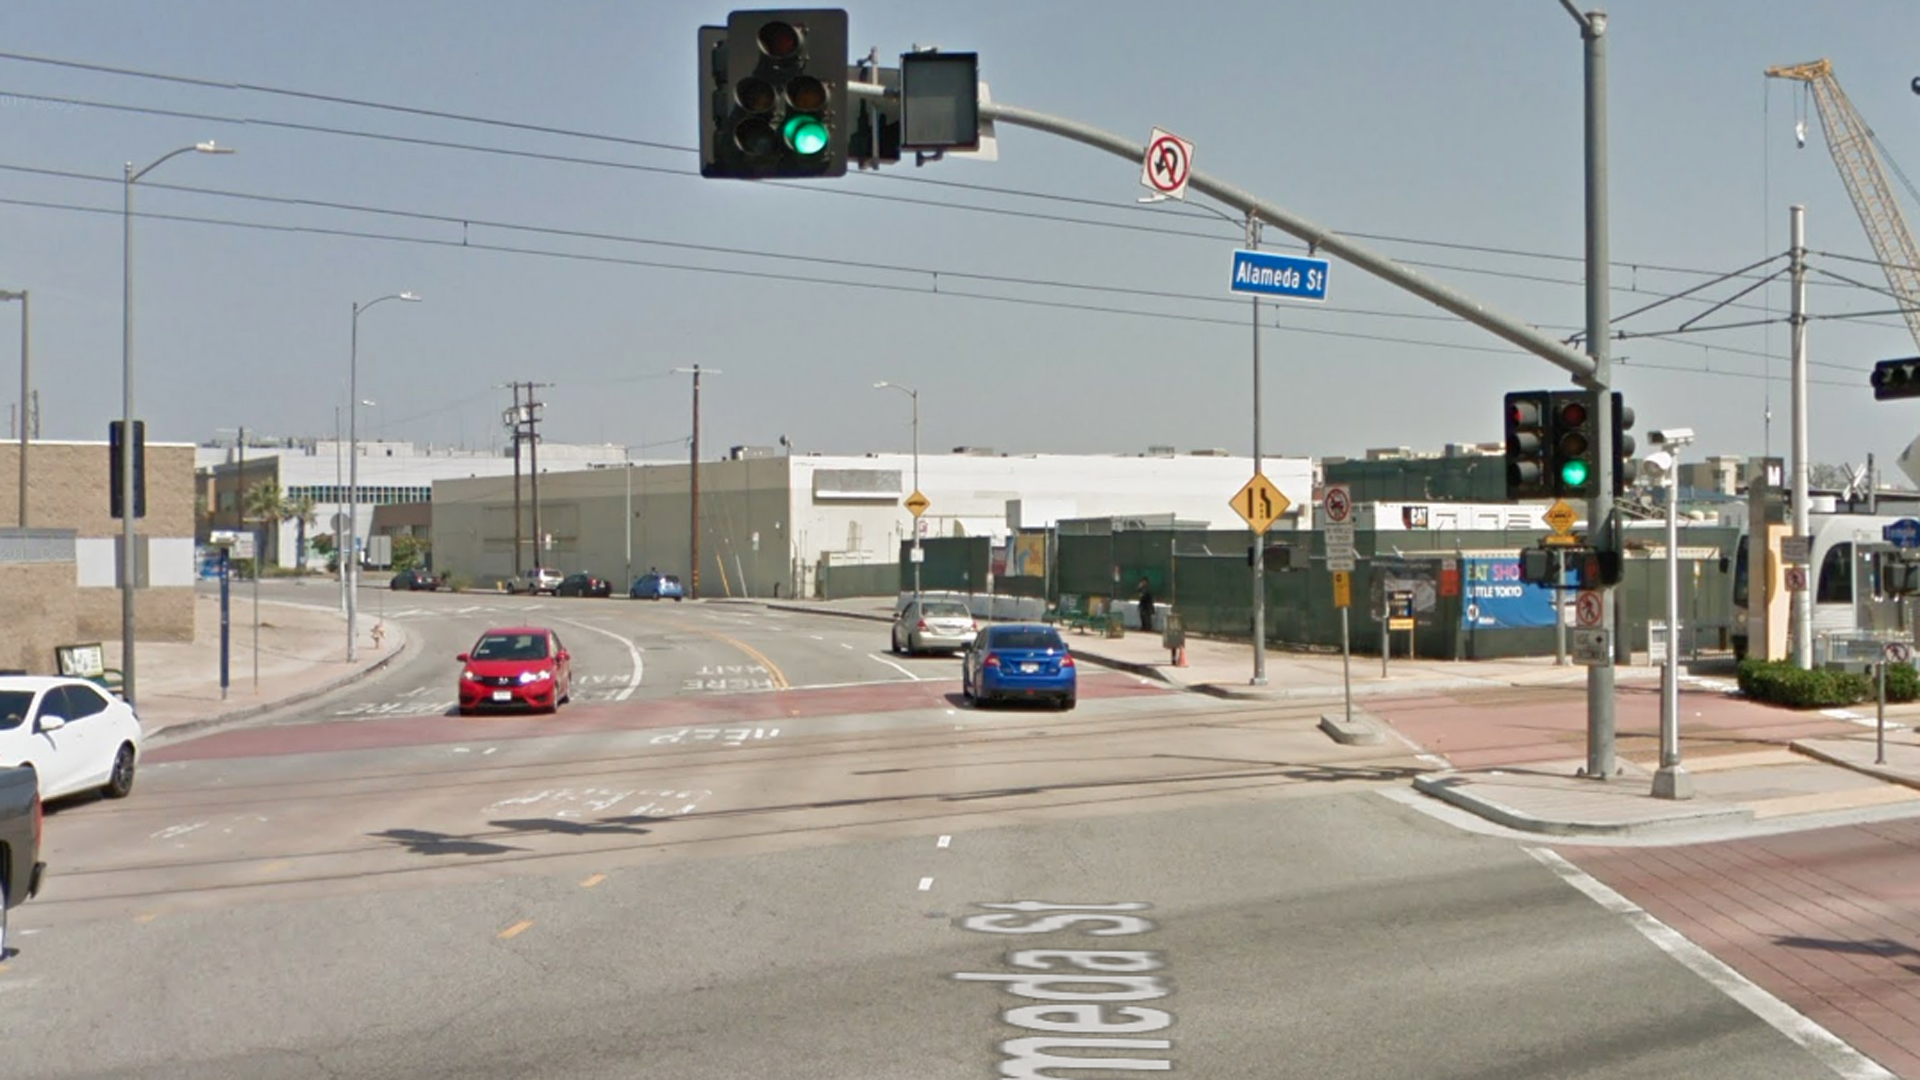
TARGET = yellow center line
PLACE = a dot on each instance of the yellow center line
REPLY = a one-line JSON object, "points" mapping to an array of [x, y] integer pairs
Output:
{"points": [[773, 669], [276, 866], [146, 917], [515, 929], [592, 881]]}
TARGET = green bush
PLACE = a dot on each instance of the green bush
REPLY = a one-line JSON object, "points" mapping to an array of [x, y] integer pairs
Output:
{"points": [[1781, 683], [457, 583], [1903, 682]]}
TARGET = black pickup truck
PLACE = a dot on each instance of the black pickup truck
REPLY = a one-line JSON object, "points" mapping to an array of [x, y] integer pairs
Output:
{"points": [[20, 825]]}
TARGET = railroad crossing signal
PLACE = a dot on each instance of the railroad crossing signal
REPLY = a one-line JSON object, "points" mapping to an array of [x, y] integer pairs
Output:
{"points": [[1260, 503], [917, 504]]}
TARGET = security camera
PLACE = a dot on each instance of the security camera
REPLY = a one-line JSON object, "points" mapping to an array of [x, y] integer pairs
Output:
{"points": [[1679, 436]]}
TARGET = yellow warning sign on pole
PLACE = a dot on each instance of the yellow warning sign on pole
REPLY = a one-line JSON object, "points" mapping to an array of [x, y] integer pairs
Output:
{"points": [[1342, 589]]}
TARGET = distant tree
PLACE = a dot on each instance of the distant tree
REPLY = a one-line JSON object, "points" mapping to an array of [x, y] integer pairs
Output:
{"points": [[265, 503], [301, 511], [411, 551], [1829, 477]]}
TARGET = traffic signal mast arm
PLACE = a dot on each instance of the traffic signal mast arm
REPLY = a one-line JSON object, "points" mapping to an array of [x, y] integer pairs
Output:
{"points": [[1579, 364]]}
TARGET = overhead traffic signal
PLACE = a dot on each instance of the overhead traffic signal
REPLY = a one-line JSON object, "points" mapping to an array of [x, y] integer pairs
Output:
{"points": [[1574, 464], [773, 92], [1528, 434]]}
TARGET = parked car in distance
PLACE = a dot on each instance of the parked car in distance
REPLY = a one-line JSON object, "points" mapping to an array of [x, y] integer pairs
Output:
{"points": [[1028, 661], [926, 625], [76, 736], [20, 831], [583, 584], [535, 581], [523, 667], [656, 586], [411, 580]]}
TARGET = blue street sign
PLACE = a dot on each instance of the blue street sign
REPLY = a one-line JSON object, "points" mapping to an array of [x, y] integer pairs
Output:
{"points": [[1270, 274], [1904, 533]]}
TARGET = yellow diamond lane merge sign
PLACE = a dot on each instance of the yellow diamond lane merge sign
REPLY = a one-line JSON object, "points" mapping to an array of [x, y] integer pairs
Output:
{"points": [[1260, 503], [1561, 517], [917, 503]]}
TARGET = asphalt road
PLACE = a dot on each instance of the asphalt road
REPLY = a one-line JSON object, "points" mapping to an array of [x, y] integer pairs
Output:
{"points": [[758, 845]]}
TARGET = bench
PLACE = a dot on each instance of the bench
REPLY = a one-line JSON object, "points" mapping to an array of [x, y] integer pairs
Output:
{"points": [[88, 660], [1068, 613]]}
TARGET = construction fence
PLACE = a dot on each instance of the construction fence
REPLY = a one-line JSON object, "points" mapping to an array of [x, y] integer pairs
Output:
{"points": [[1434, 593]]}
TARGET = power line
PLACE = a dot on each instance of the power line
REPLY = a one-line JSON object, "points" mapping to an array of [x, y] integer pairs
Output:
{"points": [[679, 148]]}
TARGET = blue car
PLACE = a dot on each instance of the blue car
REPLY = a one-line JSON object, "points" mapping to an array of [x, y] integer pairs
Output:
{"points": [[656, 586], [1019, 661]]}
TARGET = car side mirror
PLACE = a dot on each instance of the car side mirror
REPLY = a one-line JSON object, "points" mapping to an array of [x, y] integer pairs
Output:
{"points": [[52, 723], [565, 655], [463, 657]]}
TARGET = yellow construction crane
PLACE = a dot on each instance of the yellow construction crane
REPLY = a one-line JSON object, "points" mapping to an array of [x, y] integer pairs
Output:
{"points": [[1851, 143]]}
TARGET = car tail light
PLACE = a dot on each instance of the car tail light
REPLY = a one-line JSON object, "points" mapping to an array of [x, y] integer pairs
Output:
{"points": [[922, 625], [992, 660], [1066, 661]]}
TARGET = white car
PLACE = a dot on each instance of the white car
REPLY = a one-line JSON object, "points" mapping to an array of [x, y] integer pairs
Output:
{"points": [[933, 626], [536, 581], [76, 736]]}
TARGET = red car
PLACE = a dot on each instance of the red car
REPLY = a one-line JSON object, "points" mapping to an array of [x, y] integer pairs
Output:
{"points": [[516, 668]]}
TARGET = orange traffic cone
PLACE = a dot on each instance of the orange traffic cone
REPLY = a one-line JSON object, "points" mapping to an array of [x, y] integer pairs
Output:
{"points": [[1180, 656]]}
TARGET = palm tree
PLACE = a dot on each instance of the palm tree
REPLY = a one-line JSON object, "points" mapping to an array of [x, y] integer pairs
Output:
{"points": [[266, 503], [301, 511]]}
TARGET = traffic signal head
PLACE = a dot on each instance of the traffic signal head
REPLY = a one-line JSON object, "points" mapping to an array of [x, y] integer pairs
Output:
{"points": [[774, 95], [1623, 445], [1528, 433], [1574, 468], [1896, 379]]}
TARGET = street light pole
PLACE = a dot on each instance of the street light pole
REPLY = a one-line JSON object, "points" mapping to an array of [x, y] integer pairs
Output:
{"points": [[126, 560], [1671, 781], [693, 482], [350, 567], [26, 392], [1260, 538], [917, 555]]}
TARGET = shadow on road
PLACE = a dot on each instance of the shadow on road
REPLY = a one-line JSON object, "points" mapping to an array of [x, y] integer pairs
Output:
{"points": [[427, 842], [1886, 947], [619, 826]]}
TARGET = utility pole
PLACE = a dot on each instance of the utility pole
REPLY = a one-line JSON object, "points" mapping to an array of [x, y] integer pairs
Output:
{"points": [[1802, 599], [513, 424], [693, 483], [533, 471]]}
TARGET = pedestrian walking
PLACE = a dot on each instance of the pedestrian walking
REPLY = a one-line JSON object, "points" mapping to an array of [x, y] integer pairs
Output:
{"points": [[1146, 606]]}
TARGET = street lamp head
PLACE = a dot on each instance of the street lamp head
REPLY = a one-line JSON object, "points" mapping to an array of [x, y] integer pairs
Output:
{"points": [[211, 147], [882, 385], [411, 297]]}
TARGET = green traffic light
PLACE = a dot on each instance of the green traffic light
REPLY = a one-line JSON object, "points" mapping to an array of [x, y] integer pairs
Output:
{"points": [[1574, 474], [806, 134]]}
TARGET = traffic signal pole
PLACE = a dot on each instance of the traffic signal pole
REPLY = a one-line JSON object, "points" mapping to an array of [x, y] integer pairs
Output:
{"points": [[1593, 371], [1600, 714]]}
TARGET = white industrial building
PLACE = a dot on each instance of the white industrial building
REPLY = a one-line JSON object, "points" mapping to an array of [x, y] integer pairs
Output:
{"points": [[770, 521], [389, 473]]}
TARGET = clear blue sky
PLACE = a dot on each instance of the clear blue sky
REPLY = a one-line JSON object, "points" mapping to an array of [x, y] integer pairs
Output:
{"points": [[1416, 124]]}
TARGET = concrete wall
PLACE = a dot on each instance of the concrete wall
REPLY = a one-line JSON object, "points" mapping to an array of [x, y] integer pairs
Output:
{"points": [[67, 489]]}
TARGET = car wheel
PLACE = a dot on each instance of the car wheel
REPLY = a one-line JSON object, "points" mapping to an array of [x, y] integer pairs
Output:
{"points": [[120, 781], [1066, 703]]}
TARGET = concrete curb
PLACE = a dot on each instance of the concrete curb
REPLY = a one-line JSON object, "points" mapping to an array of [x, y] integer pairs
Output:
{"points": [[190, 727], [835, 612], [1878, 772], [1447, 788], [1364, 730]]}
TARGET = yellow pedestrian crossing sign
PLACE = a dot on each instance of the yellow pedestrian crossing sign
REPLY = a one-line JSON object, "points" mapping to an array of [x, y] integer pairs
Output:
{"points": [[1260, 503], [917, 504]]}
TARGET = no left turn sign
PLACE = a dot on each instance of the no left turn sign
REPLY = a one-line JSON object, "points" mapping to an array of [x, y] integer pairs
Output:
{"points": [[1168, 164]]}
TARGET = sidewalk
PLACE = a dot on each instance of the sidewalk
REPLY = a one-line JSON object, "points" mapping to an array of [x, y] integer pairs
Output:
{"points": [[302, 654], [1766, 764]]}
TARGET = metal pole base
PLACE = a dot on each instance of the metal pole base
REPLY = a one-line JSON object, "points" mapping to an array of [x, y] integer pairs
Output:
{"points": [[1672, 782]]}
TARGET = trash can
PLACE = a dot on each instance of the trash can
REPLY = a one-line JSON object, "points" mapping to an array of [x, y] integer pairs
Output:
{"points": [[1173, 633], [1116, 625]]}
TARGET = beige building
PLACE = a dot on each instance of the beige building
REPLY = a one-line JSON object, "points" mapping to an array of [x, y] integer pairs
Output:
{"points": [[59, 578]]}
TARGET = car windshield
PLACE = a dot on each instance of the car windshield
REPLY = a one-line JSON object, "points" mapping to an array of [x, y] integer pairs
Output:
{"points": [[511, 647], [946, 610], [14, 706], [1021, 638]]}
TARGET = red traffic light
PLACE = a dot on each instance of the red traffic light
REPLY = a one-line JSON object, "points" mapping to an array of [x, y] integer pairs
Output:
{"points": [[779, 40], [1573, 413]]}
